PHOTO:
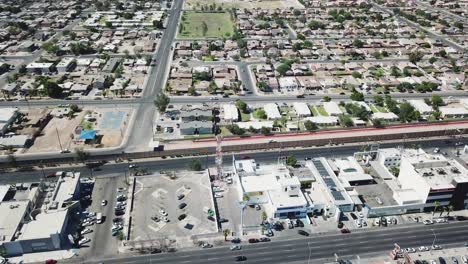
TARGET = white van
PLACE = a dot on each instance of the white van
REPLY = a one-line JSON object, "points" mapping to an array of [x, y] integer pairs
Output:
{"points": [[99, 218]]}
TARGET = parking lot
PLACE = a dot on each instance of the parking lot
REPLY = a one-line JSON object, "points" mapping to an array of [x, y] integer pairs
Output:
{"points": [[172, 205]]}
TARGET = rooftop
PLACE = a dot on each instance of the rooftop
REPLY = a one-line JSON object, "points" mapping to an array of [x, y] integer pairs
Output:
{"points": [[11, 214], [46, 224]]}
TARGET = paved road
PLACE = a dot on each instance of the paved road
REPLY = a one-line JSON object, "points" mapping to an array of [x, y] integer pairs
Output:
{"points": [[317, 247], [114, 170], [142, 128]]}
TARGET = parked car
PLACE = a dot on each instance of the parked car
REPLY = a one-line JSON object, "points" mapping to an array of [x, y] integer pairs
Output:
{"points": [[83, 241], [436, 247], [454, 260], [182, 217], [253, 240], [236, 240], [162, 212], [423, 248], [428, 222], [299, 223], [206, 245], [182, 205], [180, 196], [302, 233], [103, 202], [265, 239], [410, 250], [223, 220], [49, 261], [218, 195], [442, 260], [86, 231], [345, 231], [165, 219]]}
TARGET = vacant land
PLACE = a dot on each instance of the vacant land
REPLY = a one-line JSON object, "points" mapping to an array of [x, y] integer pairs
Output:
{"points": [[205, 25]]}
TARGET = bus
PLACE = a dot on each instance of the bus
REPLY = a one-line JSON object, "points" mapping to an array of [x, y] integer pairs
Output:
{"points": [[99, 218]]}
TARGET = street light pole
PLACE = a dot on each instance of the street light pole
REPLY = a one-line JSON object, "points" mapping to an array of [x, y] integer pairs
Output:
{"points": [[435, 237], [310, 252]]}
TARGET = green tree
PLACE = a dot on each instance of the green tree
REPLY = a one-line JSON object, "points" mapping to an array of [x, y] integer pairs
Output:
{"points": [[327, 98], [358, 43], [283, 68], [81, 155], [265, 130], [357, 75], [161, 102], [52, 89], [291, 161], [357, 96], [195, 165], [310, 126], [12, 160], [75, 108], [436, 101], [415, 56], [235, 129], [449, 209], [345, 121], [241, 105], [378, 123], [379, 101], [407, 113]]}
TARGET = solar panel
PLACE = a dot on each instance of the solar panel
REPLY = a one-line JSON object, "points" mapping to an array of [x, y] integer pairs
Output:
{"points": [[337, 195]]}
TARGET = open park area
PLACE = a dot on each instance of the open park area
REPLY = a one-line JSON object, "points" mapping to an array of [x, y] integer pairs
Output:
{"points": [[205, 25]]}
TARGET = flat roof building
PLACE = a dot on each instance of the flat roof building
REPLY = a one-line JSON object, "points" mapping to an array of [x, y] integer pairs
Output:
{"points": [[272, 111], [332, 108], [421, 106], [302, 109], [231, 113]]}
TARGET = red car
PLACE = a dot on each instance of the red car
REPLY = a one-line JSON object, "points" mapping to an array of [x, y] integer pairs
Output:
{"points": [[50, 175], [50, 261], [345, 231]]}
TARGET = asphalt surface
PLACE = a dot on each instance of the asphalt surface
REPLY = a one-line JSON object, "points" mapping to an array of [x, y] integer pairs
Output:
{"points": [[317, 247], [117, 169]]}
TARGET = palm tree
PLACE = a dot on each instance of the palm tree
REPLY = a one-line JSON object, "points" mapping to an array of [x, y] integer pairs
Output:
{"points": [[226, 233], [436, 206], [449, 209], [441, 211]]}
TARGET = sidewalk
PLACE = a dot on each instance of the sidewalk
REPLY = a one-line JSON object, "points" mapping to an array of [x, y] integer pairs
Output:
{"points": [[43, 256]]}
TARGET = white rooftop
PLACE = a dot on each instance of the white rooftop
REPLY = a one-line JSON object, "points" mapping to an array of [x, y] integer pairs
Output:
{"points": [[272, 111], [230, 112], [255, 124], [11, 214], [301, 109], [46, 224], [7, 113], [384, 116], [421, 106], [332, 108]]}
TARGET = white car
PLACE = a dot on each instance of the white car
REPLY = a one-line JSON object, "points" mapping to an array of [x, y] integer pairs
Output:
{"points": [[361, 215], [131, 166], [364, 224], [358, 223], [218, 195], [162, 212], [436, 247], [123, 203], [91, 214], [120, 189], [432, 261], [103, 202], [165, 219], [86, 231], [464, 259], [423, 248], [428, 222], [410, 250], [235, 247], [441, 220], [377, 222], [117, 227], [83, 241]]}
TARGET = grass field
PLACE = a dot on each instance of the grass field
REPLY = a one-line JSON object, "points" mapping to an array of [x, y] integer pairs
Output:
{"points": [[249, 4], [205, 25], [322, 111]]}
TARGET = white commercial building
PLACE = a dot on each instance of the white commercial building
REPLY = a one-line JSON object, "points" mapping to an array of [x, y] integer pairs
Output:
{"points": [[421, 106], [272, 111], [231, 113], [273, 186], [435, 179], [255, 124], [302, 109], [332, 108], [30, 224]]}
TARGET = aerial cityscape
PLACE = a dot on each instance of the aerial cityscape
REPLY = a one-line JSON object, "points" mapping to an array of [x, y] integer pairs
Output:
{"points": [[234, 131]]}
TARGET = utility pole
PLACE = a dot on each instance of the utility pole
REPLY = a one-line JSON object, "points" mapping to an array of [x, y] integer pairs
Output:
{"points": [[58, 137]]}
